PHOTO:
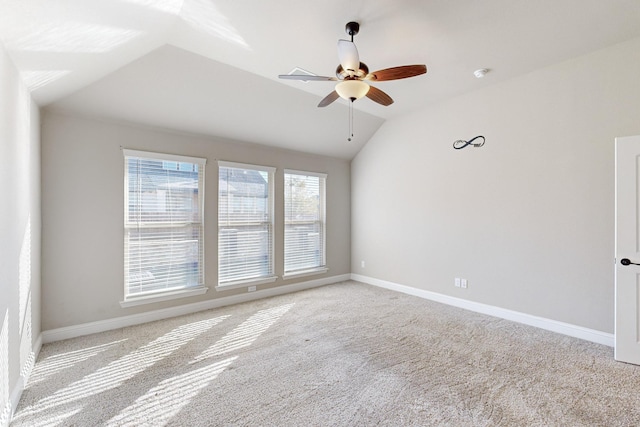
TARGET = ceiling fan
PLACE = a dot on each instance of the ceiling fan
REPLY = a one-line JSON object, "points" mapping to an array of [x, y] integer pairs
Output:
{"points": [[353, 76]]}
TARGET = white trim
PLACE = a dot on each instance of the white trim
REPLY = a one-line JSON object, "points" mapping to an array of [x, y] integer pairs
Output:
{"points": [[514, 316], [136, 319], [305, 173], [302, 273], [246, 282], [234, 165], [134, 300], [25, 372], [163, 156]]}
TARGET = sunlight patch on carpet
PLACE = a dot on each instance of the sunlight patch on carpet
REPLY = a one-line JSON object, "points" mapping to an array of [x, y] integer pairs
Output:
{"points": [[164, 401], [120, 370], [246, 333], [59, 362]]}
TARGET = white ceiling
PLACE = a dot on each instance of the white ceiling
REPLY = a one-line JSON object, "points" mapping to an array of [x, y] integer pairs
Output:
{"points": [[210, 66]]}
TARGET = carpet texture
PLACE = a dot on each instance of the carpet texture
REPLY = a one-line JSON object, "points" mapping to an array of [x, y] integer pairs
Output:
{"points": [[341, 355]]}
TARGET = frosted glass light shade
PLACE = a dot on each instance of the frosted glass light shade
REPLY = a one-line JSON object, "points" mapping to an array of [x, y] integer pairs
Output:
{"points": [[352, 89]]}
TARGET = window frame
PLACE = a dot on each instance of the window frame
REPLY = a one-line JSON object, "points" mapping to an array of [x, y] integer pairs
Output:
{"points": [[270, 276], [133, 299], [322, 221]]}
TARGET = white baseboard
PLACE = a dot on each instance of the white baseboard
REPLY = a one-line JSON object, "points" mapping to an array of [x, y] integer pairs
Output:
{"points": [[25, 372], [136, 319], [515, 316]]}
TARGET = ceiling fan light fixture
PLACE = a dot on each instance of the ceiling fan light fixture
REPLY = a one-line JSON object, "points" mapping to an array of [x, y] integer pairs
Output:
{"points": [[352, 89]]}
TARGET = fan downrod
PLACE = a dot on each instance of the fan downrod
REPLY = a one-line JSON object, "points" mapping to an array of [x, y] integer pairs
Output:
{"points": [[352, 28]]}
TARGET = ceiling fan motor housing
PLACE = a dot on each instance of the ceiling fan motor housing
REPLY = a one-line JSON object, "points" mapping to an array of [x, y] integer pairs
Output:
{"points": [[352, 28], [361, 73]]}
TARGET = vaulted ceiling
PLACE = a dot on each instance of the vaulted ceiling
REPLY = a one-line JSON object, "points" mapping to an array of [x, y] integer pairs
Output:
{"points": [[210, 66]]}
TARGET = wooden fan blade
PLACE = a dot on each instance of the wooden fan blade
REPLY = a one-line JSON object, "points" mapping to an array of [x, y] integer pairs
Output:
{"points": [[379, 96], [306, 77], [329, 99], [395, 73]]}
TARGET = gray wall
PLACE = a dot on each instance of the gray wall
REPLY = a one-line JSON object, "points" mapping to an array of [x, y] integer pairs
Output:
{"points": [[82, 212], [19, 234], [529, 218]]}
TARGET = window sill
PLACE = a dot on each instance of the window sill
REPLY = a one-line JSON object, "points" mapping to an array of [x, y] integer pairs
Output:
{"points": [[302, 273], [165, 296], [244, 283]]}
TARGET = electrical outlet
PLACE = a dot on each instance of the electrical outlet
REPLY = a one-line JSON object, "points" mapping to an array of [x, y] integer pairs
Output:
{"points": [[362, 264], [251, 289], [463, 283], [457, 282]]}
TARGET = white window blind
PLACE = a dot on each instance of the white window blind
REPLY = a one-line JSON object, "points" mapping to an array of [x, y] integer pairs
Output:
{"points": [[245, 223], [304, 221], [164, 232]]}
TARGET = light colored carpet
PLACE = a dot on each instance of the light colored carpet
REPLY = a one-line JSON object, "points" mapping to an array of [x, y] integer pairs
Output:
{"points": [[341, 355]]}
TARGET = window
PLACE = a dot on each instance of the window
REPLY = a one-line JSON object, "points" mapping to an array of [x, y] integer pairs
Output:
{"points": [[245, 224], [163, 226], [304, 222]]}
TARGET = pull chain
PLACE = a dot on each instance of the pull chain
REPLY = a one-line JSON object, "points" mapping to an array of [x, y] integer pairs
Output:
{"points": [[350, 121]]}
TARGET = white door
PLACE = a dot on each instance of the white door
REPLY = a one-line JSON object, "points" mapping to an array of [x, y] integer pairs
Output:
{"points": [[627, 300]]}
